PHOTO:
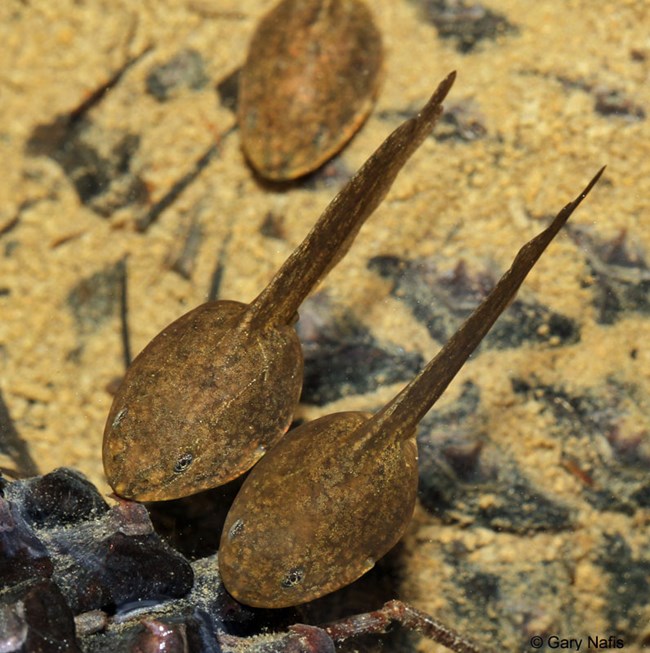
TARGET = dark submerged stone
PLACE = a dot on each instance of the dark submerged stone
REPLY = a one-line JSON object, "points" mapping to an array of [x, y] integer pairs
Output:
{"points": [[62, 497], [23, 556]]}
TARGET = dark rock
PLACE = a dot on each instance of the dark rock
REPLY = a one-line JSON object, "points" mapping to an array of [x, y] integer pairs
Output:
{"points": [[35, 619], [341, 356], [110, 557], [13, 629], [115, 554], [128, 592], [62, 497], [130, 518], [184, 70], [22, 555], [443, 300], [88, 623], [315, 639], [155, 636], [202, 633], [120, 569]]}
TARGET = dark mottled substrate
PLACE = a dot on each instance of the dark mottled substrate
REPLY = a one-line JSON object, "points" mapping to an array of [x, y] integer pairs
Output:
{"points": [[620, 277], [590, 424], [228, 90], [465, 23], [78, 576], [627, 585], [460, 466], [442, 300], [342, 357], [467, 478], [12, 445], [97, 162], [462, 121], [94, 299], [609, 102], [184, 70]]}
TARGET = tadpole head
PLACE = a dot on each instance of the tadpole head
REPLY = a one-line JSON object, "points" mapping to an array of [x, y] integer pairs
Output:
{"points": [[317, 512], [201, 404]]}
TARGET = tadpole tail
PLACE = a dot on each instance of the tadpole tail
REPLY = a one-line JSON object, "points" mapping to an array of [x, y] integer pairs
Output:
{"points": [[403, 413], [337, 227]]}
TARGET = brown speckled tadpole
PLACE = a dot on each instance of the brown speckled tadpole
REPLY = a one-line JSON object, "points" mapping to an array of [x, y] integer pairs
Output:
{"points": [[336, 494], [309, 81], [214, 390]]}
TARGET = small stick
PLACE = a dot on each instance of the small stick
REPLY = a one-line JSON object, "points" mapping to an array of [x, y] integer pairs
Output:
{"points": [[124, 312], [380, 621]]}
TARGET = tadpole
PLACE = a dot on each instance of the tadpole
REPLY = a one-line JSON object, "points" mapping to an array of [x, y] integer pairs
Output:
{"points": [[218, 387], [336, 494]]}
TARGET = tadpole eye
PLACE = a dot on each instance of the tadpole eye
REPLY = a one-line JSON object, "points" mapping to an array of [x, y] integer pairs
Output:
{"points": [[183, 463], [236, 529], [119, 417], [293, 577]]}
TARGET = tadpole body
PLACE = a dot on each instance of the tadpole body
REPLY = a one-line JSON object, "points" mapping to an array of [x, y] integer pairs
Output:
{"points": [[217, 388], [309, 82], [336, 494]]}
